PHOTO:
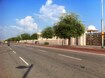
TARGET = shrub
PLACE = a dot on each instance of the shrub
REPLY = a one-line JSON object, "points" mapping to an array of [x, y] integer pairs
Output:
{"points": [[46, 43]]}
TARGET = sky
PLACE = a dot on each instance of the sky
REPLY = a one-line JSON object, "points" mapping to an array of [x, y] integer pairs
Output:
{"points": [[30, 16]]}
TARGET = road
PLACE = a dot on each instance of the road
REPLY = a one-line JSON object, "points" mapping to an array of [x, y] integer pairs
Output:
{"points": [[25, 61]]}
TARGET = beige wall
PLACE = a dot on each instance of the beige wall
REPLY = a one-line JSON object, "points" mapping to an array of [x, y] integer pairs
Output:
{"points": [[58, 41]]}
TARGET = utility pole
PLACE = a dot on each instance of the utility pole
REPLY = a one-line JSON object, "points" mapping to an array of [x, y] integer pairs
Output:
{"points": [[102, 24]]}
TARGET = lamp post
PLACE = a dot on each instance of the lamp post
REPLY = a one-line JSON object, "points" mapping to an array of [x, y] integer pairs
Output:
{"points": [[102, 24]]}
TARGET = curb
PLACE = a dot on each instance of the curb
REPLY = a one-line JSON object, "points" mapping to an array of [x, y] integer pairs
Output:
{"points": [[77, 50]]}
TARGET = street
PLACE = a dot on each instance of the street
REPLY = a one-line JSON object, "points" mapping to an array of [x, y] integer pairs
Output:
{"points": [[27, 61]]}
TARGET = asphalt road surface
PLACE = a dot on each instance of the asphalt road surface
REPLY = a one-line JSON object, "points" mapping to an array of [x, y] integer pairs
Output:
{"points": [[25, 61]]}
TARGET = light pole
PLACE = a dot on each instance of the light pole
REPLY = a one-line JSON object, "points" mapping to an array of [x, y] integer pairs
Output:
{"points": [[102, 24]]}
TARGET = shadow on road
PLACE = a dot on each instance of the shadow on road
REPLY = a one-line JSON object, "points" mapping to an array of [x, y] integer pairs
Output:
{"points": [[28, 69]]}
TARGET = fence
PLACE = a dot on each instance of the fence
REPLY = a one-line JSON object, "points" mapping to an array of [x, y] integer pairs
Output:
{"points": [[94, 39]]}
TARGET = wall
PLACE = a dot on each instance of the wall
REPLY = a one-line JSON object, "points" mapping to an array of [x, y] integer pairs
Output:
{"points": [[57, 41]]}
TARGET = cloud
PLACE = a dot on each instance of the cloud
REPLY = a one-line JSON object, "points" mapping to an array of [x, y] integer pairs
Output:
{"points": [[25, 25], [49, 2], [28, 22], [51, 11], [9, 31]]}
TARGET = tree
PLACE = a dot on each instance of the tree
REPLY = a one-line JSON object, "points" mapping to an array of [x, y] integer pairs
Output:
{"points": [[25, 36], [48, 32], [34, 36], [18, 38], [14, 39], [69, 26]]}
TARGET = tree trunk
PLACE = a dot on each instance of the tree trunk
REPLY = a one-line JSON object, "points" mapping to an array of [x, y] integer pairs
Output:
{"points": [[69, 39]]}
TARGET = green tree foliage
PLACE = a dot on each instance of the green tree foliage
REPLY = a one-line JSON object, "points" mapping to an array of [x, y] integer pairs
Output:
{"points": [[69, 26], [25, 36], [48, 32], [14, 39], [18, 38], [34, 36], [11, 39]]}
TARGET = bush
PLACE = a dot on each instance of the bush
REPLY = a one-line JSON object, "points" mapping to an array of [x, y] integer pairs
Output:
{"points": [[46, 43]]}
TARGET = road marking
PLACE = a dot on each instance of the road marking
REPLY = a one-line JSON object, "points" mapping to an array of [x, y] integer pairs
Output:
{"points": [[42, 50], [23, 60], [70, 57], [14, 52]]}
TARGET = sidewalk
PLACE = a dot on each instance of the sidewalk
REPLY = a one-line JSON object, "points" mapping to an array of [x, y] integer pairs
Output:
{"points": [[91, 49]]}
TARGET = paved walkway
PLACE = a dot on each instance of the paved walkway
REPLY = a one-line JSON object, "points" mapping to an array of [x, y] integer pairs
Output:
{"points": [[88, 46], [92, 49]]}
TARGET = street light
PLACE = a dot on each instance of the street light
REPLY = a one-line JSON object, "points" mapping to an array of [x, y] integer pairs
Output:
{"points": [[102, 24]]}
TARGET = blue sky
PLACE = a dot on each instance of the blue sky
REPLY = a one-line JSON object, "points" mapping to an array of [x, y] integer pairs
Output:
{"points": [[19, 16]]}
